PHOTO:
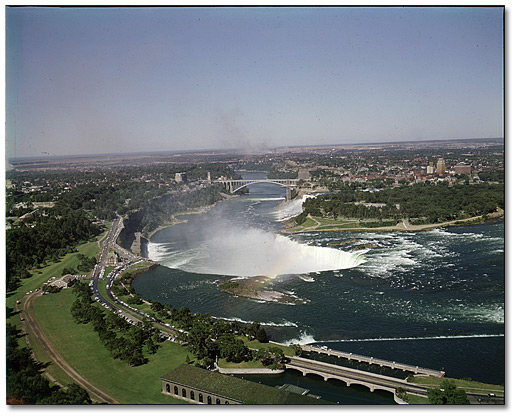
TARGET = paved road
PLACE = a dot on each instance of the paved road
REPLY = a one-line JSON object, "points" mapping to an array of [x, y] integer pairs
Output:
{"points": [[113, 303]]}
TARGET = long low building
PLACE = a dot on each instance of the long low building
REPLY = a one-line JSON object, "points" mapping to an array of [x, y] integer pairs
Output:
{"points": [[200, 386]]}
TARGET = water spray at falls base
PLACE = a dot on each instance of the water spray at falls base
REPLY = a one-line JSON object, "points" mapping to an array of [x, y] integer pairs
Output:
{"points": [[253, 252]]}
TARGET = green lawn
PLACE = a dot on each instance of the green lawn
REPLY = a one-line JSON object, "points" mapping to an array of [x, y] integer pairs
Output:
{"points": [[468, 386], [417, 400], [52, 270], [255, 344], [253, 364], [338, 226], [80, 346]]}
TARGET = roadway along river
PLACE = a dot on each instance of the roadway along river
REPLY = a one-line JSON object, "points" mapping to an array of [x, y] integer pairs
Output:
{"points": [[433, 299]]}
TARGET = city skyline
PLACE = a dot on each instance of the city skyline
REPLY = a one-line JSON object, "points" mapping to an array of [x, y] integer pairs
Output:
{"points": [[113, 80]]}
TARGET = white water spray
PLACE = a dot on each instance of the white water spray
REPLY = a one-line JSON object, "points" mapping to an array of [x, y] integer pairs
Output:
{"points": [[253, 252], [290, 209]]}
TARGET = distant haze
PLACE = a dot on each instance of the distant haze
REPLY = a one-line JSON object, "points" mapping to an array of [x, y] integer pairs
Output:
{"points": [[109, 80]]}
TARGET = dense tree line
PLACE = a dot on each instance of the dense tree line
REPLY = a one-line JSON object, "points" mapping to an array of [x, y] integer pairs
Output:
{"points": [[447, 394], [46, 239], [125, 341], [277, 174], [210, 339], [492, 176], [25, 381], [428, 203]]}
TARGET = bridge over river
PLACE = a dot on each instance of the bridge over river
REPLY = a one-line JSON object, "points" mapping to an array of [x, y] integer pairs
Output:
{"points": [[417, 370], [353, 376], [233, 185]]}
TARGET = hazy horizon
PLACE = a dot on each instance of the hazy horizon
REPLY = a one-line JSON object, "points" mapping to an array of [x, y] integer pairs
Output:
{"points": [[90, 80], [241, 151]]}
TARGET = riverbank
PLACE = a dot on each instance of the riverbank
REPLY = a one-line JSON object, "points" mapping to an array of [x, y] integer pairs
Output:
{"points": [[175, 221], [318, 224]]}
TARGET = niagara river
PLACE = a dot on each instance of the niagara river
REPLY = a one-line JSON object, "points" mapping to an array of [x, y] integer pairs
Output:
{"points": [[430, 298]]}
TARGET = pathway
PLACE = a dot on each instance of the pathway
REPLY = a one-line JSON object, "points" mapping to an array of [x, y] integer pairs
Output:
{"points": [[56, 357]]}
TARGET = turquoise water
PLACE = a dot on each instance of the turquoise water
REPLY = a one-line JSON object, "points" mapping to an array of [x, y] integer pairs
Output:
{"points": [[432, 298]]}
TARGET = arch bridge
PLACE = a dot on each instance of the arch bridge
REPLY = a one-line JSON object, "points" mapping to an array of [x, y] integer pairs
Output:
{"points": [[233, 185], [350, 376]]}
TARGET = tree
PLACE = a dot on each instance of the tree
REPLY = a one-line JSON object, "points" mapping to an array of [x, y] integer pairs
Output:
{"points": [[447, 393], [297, 349], [253, 330], [73, 395], [261, 336], [25, 382], [233, 349]]}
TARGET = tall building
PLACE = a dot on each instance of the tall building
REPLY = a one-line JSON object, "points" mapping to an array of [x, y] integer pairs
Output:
{"points": [[462, 169], [181, 177], [430, 169], [441, 166]]}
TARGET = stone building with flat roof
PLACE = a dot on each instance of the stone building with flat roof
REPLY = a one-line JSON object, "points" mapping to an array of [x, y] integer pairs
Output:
{"points": [[462, 169], [201, 386]]}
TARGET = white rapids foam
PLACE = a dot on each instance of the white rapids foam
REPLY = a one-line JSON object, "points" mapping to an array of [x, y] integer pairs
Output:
{"points": [[436, 337], [287, 210], [304, 338], [271, 324], [254, 252]]}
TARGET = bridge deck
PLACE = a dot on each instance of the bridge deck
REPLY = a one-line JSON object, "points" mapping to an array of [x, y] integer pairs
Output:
{"points": [[353, 376], [375, 361]]}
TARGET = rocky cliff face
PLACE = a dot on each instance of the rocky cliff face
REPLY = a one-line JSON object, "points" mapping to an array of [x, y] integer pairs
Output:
{"points": [[133, 224]]}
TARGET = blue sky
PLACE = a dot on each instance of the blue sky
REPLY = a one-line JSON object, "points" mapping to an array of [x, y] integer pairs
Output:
{"points": [[108, 80]]}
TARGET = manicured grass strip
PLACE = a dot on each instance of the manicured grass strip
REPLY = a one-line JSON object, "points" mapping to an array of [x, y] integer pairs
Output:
{"points": [[80, 346], [255, 344], [142, 307], [53, 270], [42, 356], [308, 223], [468, 386], [253, 364], [338, 226], [416, 400]]}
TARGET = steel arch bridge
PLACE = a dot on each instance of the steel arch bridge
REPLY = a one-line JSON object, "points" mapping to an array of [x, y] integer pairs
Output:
{"points": [[233, 185]]}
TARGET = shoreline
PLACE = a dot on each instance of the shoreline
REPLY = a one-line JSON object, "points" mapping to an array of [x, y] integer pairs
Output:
{"points": [[253, 288], [174, 221], [402, 226]]}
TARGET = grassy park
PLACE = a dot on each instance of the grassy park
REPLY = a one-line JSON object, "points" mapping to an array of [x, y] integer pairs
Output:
{"points": [[80, 346], [41, 275], [314, 223], [467, 384]]}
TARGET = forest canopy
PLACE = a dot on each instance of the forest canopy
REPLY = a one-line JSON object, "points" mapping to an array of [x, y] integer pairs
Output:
{"points": [[428, 203]]}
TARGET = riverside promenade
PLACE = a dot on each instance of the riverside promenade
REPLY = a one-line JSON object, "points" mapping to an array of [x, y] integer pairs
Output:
{"points": [[417, 370]]}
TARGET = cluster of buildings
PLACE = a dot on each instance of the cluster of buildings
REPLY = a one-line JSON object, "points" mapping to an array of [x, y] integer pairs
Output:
{"points": [[440, 169]]}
